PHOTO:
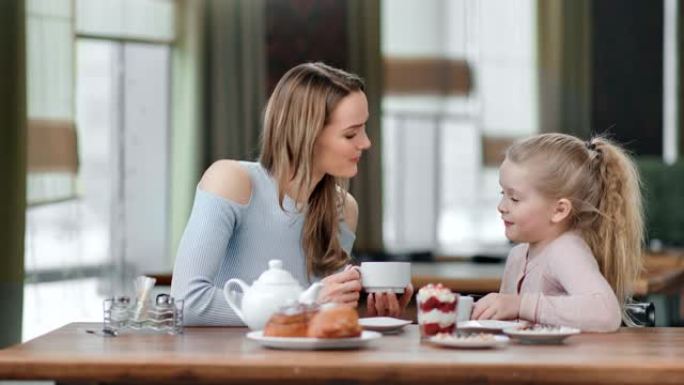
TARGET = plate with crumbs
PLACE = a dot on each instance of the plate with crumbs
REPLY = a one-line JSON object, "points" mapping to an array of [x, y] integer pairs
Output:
{"points": [[306, 343], [493, 326], [469, 340], [383, 324], [541, 334]]}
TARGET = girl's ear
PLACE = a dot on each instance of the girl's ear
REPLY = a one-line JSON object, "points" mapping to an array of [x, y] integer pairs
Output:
{"points": [[561, 210]]}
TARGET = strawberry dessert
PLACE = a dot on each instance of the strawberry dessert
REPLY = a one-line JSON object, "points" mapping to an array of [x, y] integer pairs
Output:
{"points": [[436, 310]]}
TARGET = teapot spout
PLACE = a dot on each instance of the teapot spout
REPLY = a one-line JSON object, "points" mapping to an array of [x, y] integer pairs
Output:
{"points": [[310, 295]]}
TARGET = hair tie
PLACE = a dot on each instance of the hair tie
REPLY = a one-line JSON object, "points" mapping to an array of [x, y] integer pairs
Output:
{"points": [[592, 147]]}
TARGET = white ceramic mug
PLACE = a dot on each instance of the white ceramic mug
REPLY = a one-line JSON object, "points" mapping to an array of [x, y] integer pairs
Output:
{"points": [[464, 308], [378, 277]]}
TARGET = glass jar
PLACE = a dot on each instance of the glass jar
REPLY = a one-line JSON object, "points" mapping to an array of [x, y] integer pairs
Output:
{"points": [[120, 312], [436, 310]]}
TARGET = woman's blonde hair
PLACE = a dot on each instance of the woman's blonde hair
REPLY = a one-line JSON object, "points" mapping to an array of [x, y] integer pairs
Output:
{"points": [[602, 182], [299, 107]]}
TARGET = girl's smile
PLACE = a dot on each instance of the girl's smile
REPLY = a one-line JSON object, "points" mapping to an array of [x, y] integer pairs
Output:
{"points": [[525, 212]]}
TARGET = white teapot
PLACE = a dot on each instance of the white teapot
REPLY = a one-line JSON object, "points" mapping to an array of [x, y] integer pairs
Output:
{"points": [[274, 288]]}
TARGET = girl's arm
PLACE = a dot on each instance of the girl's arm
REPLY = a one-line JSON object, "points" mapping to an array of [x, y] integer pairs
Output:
{"points": [[506, 303], [220, 199], [590, 303]]}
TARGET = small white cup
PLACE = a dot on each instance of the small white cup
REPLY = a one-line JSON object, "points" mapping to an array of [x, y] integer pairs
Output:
{"points": [[464, 308], [378, 277]]}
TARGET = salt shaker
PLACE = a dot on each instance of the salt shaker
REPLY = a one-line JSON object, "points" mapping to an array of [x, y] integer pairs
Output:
{"points": [[119, 312]]}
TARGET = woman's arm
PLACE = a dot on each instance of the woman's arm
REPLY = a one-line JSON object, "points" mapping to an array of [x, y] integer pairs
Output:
{"points": [[229, 180], [221, 196], [387, 304], [344, 286]]}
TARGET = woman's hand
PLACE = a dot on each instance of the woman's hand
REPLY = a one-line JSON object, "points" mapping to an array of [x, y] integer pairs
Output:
{"points": [[387, 304], [342, 287], [497, 306]]}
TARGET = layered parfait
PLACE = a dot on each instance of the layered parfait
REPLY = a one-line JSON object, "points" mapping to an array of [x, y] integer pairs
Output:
{"points": [[436, 310]]}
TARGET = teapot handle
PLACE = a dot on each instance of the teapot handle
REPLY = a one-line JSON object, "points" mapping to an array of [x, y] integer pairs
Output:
{"points": [[232, 297]]}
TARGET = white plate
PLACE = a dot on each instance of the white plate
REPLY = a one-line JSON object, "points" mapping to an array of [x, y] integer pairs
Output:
{"points": [[496, 341], [488, 325], [383, 324], [304, 343], [553, 336]]}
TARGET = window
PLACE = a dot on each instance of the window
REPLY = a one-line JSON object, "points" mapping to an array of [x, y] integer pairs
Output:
{"points": [[440, 194], [99, 226]]}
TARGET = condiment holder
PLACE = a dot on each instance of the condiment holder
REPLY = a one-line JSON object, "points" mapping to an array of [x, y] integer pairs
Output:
{"points": [[163, 314]]}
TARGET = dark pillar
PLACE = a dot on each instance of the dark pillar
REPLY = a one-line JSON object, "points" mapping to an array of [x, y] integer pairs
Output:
{"points": [[627, 73], [12, 168]]}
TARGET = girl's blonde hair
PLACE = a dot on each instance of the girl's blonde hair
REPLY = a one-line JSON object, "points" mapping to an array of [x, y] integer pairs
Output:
{"points": [[298, 109], [602, 182]]}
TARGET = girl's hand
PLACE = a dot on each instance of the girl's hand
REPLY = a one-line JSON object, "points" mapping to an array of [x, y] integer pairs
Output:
{"points": [[497, 306], [387, 304], [342, 287]]}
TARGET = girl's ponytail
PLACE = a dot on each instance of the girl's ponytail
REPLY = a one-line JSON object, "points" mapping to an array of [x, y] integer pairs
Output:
{"points": [[616, 234]]}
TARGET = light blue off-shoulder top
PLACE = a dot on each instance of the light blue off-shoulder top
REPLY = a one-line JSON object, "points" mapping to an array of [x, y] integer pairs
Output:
{"points": [[225, 239]]}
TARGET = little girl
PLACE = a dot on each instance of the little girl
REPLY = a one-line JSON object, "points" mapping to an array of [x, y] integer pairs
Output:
{"points": [[575, 209]]}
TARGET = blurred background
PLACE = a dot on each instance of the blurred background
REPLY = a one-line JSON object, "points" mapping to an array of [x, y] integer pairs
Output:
{"points": [[111, 109]]}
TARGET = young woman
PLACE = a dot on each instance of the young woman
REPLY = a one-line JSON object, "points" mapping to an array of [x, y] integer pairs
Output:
{"points": [[292, 205]]}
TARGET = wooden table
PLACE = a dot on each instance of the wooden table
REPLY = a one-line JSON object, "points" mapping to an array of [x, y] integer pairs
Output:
{"points": [[224, 355]]}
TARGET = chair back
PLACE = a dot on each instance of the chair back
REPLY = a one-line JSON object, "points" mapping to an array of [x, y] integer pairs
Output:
{"points": [[643, 313]]}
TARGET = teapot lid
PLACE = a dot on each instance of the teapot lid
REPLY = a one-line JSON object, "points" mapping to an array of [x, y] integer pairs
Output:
{"points": [[276, 275]]}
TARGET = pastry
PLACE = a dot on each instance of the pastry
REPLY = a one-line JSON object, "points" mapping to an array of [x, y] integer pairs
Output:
{"points": [[290, 321], [336, 321]]}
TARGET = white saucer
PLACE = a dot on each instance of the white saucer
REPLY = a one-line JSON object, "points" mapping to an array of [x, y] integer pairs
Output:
{"points": [[485, 341], [488, 325], [304, 343], [554, 335], [383, 324]]}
